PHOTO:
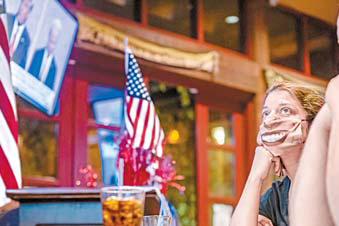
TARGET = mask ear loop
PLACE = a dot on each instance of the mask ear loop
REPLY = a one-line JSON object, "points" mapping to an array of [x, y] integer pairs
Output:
{"points": [[304, 120]]}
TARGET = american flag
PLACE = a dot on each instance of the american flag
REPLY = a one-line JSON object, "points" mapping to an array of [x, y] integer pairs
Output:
{"points": [[10, 171], [142, 123]]}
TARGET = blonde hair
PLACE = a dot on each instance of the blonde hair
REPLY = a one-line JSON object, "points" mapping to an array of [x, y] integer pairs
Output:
{"points": [[309, 99]]}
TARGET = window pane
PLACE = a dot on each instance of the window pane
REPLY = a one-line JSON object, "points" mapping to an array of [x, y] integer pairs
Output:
{"points": [[220, 173], [106, 105], [222, 24], [102, 154], [175, 108], [321, 46], [284, 34], [171, 15], [106, 109], [220, 214], [123, 8], [220, 128], [38, 146]]}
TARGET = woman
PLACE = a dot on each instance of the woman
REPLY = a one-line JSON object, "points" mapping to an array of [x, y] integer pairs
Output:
{"points": [[287, 114]]}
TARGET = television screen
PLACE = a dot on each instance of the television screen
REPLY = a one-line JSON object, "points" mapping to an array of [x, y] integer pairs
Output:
{"points": [[41, 35]]}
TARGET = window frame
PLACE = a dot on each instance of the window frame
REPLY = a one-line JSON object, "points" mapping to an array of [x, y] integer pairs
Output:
{"points": [[197, 24], [302, 37], [240, 133], [64, 146]]}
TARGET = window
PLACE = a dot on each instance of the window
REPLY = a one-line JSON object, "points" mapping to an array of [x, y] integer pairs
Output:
{"points": [[128, 9], [103, 131], [221, 166], [175, 108], [284, 38], [220, 214], [222, 24], [38, 145], [321, 45], [172, 15]]}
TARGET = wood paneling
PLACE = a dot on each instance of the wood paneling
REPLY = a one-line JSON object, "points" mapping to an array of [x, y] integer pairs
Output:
{"points": [[236, 70], [236, 81], [325, 10]]}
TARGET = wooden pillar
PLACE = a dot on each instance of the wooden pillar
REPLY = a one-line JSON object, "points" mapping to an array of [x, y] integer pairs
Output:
{"points": [[201, 115], [80, 125], [259, 39], [240, 164], [65, 152]]}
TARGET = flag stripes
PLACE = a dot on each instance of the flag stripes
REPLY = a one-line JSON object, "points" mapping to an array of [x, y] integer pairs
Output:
{"points": [[10, 170], [142, 123]]}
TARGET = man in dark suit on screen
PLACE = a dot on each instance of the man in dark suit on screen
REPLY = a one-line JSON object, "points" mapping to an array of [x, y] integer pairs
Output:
{"points": [[43, 65], [18, 36]]}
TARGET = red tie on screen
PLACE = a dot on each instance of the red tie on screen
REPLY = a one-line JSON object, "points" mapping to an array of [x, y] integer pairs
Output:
{"points": [[11, 47]]}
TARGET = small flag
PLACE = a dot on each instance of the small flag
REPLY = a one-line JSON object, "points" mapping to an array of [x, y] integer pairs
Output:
{"points": [[142, 123]]}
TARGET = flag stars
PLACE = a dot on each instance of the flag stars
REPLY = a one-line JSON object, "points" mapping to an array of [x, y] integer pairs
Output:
{"points": [[135, 83]]}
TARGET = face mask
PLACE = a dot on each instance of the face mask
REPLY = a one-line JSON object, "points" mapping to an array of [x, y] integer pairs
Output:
{"points": [[287, 134]]}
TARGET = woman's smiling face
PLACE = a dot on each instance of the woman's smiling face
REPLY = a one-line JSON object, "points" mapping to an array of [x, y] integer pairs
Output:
{"points": [[282, 115]]}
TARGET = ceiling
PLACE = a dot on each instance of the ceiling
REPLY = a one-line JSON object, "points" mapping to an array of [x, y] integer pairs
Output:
{"points": [[325, 10]]}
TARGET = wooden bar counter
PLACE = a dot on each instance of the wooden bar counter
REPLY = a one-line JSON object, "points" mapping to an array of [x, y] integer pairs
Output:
{"points": [[62, 206]]}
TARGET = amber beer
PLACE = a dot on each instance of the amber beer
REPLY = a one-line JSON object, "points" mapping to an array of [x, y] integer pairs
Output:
{"points": [[122, 207], [122, 212]]}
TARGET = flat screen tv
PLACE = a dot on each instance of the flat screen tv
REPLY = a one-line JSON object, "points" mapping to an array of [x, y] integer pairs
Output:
{"points": [[41, 35]]}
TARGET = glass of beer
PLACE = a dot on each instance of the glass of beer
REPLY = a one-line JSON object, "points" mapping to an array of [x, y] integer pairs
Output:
{"points": [[122, 205]]}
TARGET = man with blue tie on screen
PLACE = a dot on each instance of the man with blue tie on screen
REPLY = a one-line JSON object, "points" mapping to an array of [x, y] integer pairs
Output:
{"points": [[43, 65], [18, 36]]}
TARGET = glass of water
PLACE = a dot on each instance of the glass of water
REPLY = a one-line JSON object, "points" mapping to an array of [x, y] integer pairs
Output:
{"points": [[156, 220]]}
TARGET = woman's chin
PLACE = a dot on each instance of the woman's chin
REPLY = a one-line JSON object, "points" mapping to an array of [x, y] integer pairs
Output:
{"points": [[281, 148]]}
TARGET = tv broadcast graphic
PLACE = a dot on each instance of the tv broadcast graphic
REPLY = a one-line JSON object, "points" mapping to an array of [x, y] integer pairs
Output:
{"points": [[41, 35]]}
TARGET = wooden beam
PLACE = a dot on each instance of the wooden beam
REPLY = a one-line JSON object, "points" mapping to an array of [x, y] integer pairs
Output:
{"points": [[201, 122], [96, 60], [200, 20], [240, 156], [80, 119], [65, 161], [144, 12]]}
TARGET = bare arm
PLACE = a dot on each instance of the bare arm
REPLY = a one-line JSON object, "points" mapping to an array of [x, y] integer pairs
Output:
{"points": [[308, 203], [332, 177], [247, 210]]}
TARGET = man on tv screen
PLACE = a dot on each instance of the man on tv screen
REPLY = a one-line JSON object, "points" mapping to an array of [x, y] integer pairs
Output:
{"points": [[19, 39], [43, 65]]}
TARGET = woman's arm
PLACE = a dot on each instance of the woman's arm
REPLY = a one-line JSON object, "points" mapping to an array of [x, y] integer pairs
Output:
{"points": [[308, 203], [247, 210], [332, 177]]}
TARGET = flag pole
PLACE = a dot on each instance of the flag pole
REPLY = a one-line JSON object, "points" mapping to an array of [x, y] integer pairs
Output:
{"points": [[126, 54], [125, 94], [121, 160]]}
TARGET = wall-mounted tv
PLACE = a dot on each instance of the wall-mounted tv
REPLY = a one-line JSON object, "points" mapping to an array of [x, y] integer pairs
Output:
{"points": [[41, 35]]}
